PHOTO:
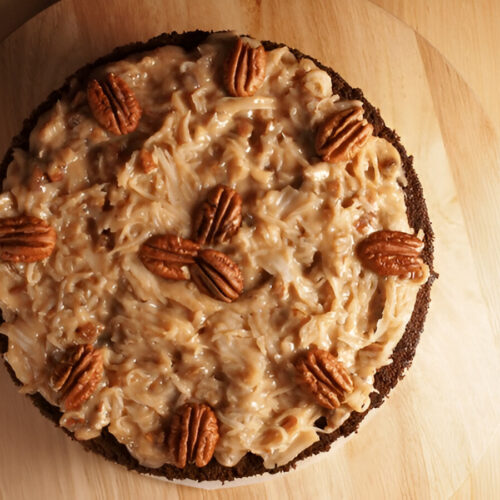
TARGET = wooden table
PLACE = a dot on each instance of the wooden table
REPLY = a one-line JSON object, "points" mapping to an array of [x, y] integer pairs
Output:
{"points": [[433, 69]]}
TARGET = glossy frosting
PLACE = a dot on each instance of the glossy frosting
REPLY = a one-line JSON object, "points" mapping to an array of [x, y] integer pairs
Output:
{"points": [[163, 342]]}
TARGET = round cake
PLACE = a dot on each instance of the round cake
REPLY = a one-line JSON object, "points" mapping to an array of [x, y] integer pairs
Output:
{"points": [[216, 257]]}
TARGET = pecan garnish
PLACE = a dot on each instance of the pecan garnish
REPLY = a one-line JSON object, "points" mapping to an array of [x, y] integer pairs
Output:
{"points": [[146, 161], [77, 376], [25, 239], [341, 136], [167, 255], [215, 274], [114, 105], [55, 173], [362, 224], [37, 179], [219, 217], [193, 435], [89, 332], [391, 253], [324, 376], [289, 423], [245, 69]]}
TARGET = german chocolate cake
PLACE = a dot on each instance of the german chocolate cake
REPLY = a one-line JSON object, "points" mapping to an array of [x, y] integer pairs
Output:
{"points": [[216, 257]]}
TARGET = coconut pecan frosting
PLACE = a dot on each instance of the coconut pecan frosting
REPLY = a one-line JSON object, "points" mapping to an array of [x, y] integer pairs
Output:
{"points": [[206, 252]]}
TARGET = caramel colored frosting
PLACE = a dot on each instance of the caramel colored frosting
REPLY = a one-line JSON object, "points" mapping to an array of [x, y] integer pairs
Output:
{"points": [[163, 342]]}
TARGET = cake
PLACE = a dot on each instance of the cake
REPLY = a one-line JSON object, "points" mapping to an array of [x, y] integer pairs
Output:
{"points": [[216, 257]]}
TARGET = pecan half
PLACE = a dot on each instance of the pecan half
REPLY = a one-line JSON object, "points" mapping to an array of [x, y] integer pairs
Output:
{"points": [[25, 239], [324, 376], [215, 274], [193, 435], [245, 69], [341, 136], [391, 253], [219, 218], [114, 105], [77, 376], [167, 255]]}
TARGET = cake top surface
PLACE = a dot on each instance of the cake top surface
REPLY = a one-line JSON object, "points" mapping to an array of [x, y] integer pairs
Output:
{"points": [[203, 255]]}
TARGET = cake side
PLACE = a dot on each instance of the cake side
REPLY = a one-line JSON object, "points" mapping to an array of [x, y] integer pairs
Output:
{"points": [[386, 377]]}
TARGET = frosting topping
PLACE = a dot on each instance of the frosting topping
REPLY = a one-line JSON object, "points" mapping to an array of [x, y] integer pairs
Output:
{"points": [[164, 343]]}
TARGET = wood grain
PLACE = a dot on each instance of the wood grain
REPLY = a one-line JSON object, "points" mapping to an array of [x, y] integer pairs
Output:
{"points": [[466, 34], [13, 14], [438, 434]]}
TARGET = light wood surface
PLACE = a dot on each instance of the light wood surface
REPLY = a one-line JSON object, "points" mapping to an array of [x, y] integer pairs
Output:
{"points": [[438, 435]]}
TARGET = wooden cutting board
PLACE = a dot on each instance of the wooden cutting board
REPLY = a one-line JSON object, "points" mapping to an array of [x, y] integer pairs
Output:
{"points": [[444, 416]]}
